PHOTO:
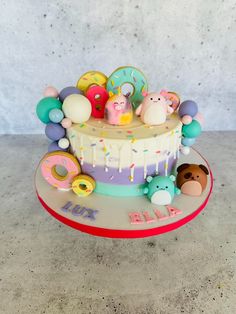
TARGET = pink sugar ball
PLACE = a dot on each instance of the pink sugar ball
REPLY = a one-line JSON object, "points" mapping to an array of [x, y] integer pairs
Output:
{"points": [[186, 119], [50, 91], [66, 123], [199, 117]]}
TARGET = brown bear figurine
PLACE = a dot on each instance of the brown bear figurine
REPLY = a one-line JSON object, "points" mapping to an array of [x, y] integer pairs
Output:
{"points": [[192, 179]]}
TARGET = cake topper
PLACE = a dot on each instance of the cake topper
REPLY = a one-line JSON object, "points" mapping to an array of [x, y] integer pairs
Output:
{"points": [[118, 109], [161, 189], [192, 179], [98, 96], [130, 77], [154, 108], [173, 98], [91, 78]]}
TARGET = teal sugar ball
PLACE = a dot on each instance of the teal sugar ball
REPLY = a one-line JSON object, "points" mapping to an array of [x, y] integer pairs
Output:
{"points": [[192, 130], [44, 106], [56, 115]]}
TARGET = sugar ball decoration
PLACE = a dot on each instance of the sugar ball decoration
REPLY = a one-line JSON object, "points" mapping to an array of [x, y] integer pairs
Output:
{"points": [[54, 131], [56, 115], [186, 119], [185, 150], [192, 130], [66, 123], [188, 141], [50, 91], [52, 147], [189, 108], [67, 91], [63, 143], [44, 106], [199, 118], [77, 107]]}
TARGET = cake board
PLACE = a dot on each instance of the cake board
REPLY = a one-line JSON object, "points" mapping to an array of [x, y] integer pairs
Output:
{"points": [[111, 217]]}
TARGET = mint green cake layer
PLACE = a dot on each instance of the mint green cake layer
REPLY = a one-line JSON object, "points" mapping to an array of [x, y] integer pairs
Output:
{"points": [[119, 190]]}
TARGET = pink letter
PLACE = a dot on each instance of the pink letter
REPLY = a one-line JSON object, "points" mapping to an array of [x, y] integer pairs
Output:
{"points": [[147, 217], [135, 218], [159, 215], [173, 211]]}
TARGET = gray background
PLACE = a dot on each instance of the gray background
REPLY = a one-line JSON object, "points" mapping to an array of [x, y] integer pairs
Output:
{"points": [[185, 46]]}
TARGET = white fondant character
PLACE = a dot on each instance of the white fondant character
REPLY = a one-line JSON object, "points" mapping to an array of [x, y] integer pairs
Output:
{"points": [[154, 108], [161, 189]]}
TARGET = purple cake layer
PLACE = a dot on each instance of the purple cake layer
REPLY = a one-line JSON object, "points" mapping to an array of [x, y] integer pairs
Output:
{"points": [[113, 176]]}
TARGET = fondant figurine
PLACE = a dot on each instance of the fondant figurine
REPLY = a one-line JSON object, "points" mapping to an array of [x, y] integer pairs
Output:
{"points": [[98, 96], [154, 108], [161, 190], [118, 110], [173, 97], [192, 179]]}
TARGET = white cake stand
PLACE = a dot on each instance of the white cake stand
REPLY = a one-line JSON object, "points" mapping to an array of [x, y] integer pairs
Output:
{"points": [[107, 216]]}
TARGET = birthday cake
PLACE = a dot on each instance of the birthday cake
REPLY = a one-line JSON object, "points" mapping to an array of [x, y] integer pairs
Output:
{"points": [[113, 137]]}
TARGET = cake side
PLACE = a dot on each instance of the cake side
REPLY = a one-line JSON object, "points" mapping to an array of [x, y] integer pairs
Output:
{"points": [[120, 159]]}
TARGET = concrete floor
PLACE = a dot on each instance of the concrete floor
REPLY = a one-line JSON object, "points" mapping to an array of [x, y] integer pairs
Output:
{"points": [[47, 267]]}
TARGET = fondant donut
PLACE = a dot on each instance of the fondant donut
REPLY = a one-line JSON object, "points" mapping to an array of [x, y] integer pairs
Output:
{"points": [[174, 98], [91, 78], [128, 75], [64, 159], [83, 185]]}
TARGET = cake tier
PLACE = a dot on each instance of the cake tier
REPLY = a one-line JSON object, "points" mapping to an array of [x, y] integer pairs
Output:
{"points": [[119, 158]]}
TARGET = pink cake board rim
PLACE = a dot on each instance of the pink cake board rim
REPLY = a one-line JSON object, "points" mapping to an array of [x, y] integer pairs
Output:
{"points": [[127, 234]]}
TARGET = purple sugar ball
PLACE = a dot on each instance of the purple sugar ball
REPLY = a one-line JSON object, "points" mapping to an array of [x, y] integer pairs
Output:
{"points": [[189, 108], [67, 91], [54, 131], [52, 147]]}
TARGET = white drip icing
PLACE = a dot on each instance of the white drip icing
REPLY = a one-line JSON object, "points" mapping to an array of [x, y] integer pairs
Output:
{"points": [[158, 153], [178, 144], [81, 150], [120, 163], [132, 164], [94, 154], [145, 164], [175, 144], [106, 155], [166, 165]]}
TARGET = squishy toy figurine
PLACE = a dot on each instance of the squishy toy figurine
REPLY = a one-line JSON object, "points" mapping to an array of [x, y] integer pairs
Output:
{"points": [[192, 179], [154, 108], [118, 110], [161, 190]]}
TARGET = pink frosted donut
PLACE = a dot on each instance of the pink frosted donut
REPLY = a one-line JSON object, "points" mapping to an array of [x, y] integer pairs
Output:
{"points": [[64, 159]]}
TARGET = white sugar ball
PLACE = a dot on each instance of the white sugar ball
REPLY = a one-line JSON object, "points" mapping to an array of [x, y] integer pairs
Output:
{"points": [[185, 150], [63, 143], [77, 107]]}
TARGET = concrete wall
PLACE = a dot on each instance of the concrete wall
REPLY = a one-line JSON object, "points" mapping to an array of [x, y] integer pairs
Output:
{"points": [[186, 46]]}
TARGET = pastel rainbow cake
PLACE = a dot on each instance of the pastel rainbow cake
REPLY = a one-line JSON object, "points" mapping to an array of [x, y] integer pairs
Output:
{"points": [[110, 140]]}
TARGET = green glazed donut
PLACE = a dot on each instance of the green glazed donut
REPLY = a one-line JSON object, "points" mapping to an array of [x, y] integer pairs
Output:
{"points": [[128, 75]]}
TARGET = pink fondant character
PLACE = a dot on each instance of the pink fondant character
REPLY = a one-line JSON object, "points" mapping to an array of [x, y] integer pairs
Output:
{"points": [[154, 108], [118, 110]]}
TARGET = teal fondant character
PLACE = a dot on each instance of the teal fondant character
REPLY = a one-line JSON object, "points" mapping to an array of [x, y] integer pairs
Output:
{"points": [[161, 190]]}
